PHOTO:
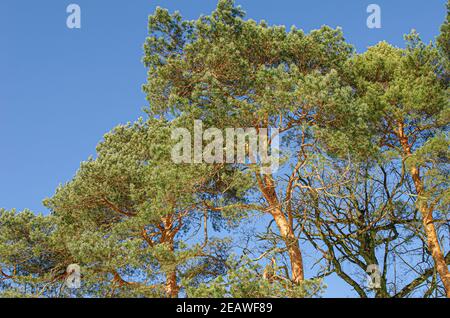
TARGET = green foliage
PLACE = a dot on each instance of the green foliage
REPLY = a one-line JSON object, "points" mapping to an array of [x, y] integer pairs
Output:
{"points": [[139, 225], [245, 280], [443, 42], [31, 256], [125, 212]]}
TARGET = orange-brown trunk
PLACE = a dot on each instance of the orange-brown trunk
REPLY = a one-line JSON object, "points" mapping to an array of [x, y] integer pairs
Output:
{"points": [[167, 236], [430, 231], [427, 216], [171, 285], [267, 187], [292, 246], [286, 229]]}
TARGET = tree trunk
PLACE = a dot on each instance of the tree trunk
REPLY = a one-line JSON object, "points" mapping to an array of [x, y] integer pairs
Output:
{"points": [[427, 216], [292, 245], [167, 236], [171, 284], [267, 188], [430, 230]]}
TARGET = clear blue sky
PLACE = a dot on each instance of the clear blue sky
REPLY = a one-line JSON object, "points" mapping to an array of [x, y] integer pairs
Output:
{"points": [[62, 89]]}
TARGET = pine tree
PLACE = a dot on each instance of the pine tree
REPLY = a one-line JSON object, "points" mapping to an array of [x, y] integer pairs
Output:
{"points": [[231, 72], [364, 167], [409, 108], [124, 215]]}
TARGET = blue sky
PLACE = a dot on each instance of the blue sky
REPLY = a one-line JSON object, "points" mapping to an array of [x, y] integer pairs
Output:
{"points": [[62, 89]]}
